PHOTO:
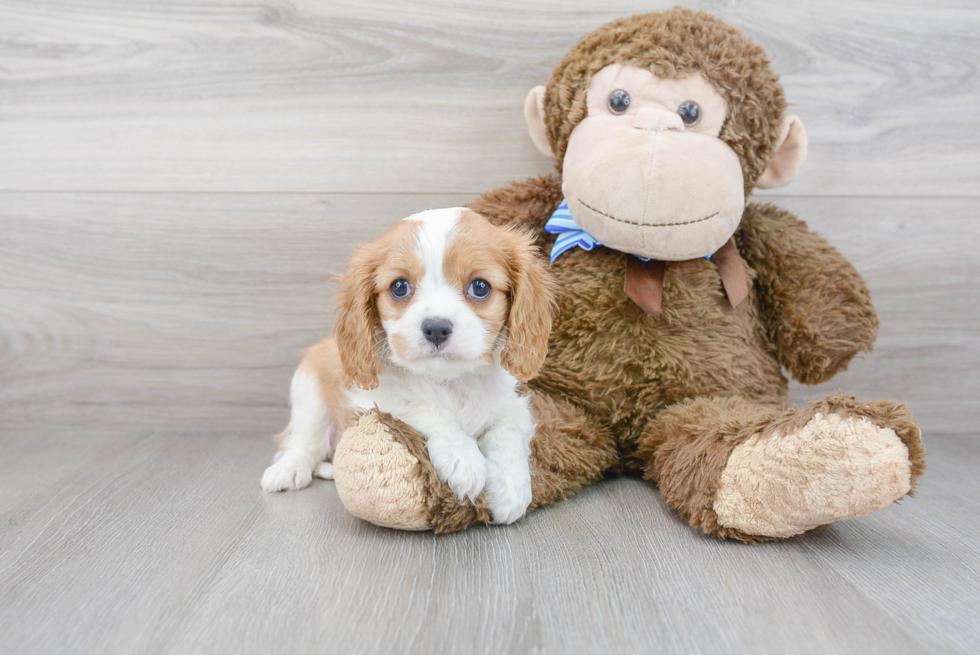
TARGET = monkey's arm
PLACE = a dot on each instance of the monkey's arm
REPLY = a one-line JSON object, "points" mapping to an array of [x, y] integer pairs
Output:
{"points": [[527, 204], [815, 304]]}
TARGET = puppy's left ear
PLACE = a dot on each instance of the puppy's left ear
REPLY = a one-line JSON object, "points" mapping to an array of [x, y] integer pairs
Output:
{"points": [[531, 305]]}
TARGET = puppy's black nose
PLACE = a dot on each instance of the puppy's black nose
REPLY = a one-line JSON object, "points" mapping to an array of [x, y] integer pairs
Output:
{"points": [[436, 330]]}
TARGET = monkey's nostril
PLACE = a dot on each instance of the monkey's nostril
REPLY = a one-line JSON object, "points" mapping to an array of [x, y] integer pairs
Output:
{"points": [[436, 330]]}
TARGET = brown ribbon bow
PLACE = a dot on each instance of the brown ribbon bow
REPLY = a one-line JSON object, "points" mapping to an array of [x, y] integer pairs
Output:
{"points": [[644, 282]]}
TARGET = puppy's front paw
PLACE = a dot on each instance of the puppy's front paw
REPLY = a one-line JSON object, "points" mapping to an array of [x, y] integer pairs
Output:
{"points": [[460, 464], [508, 492], [286, 475]]}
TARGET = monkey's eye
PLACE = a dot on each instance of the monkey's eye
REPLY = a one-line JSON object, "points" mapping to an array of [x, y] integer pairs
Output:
{"points": [[690, 113], [400, 289], [480, 289], [619, 101]]}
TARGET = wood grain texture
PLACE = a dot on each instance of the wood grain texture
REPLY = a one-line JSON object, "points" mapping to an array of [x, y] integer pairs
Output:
{"points": [[190, 311], [912, 567], [164, 543], [198, 306], [427, 96]]}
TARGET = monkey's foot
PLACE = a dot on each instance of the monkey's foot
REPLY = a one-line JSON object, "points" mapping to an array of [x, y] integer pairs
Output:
{"points": [[384, 476], [837, 465]]}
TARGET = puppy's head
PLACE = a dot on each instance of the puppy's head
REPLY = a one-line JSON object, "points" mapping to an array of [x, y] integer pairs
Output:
{"points": [[441, 294]]}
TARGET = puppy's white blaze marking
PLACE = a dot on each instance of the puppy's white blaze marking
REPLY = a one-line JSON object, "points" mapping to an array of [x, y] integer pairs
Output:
{"points": [[435, 297], [437, 215], [433, 238]]}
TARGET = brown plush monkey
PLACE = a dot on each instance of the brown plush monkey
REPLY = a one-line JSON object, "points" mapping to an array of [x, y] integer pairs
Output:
{"points": [[678, 305]]}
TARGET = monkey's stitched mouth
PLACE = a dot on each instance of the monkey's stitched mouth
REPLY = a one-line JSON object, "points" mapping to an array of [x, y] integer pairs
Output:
{"points": [[620, 220]]}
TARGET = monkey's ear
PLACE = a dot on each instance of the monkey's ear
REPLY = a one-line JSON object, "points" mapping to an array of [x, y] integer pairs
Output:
{"points": [[788, 155], [534, 116]]}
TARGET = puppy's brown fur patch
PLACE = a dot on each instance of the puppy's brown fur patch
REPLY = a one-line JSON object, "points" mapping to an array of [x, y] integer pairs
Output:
{"points": [[523, 296], [371, 270], [322, 362], [477, 251]]}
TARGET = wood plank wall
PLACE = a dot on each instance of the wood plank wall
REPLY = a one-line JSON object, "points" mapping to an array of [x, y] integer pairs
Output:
{"points": [[179, 180]]}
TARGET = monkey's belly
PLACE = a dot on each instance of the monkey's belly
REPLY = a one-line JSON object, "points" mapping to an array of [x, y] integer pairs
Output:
{"points": [[609, 357]]}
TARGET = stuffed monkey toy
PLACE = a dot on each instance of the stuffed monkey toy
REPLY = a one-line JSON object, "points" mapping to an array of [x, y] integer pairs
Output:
{"points": [[679, 305]]}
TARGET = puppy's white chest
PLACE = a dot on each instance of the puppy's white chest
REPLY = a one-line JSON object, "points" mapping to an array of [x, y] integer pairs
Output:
{"points": [[475, 411], [474, 401]]}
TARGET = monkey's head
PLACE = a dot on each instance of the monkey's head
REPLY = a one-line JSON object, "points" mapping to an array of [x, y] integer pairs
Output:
{"points": [[662, 124]]}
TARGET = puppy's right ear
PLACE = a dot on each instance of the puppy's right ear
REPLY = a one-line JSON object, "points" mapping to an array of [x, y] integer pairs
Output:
{"points": [[357, 323]]}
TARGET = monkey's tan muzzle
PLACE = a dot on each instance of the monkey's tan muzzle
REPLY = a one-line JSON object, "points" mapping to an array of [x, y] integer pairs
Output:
{"points": [[670, 194]]}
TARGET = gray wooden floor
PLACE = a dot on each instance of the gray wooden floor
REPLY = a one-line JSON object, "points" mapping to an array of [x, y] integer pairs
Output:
{"points": [[178, 181], [164, 543]]}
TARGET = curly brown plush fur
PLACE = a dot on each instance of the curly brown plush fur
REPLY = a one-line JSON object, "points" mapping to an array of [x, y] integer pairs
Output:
{"points": [[673, 44], [813, 344], [653, 382]]}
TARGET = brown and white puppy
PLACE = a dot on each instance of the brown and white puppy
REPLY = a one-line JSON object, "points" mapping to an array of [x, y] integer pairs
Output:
{"points": [[440, 320]]}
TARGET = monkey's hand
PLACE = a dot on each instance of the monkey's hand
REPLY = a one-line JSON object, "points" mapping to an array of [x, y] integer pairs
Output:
{"points": [[815, 304]]}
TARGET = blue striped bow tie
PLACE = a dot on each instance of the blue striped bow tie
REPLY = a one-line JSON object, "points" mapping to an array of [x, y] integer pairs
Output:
{"points": [[570, 234]]}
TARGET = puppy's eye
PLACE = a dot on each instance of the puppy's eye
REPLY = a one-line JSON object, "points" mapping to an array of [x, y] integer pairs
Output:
{"points": [[619, 101], [690, 113], [400, 289], [480, 289]]}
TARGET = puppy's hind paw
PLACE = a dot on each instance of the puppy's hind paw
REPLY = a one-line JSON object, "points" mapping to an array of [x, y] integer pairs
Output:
{"points": [[324, 471], [286, 475]]}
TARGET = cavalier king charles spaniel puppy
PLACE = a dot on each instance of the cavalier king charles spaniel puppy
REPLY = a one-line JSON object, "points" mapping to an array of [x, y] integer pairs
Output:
{"points": [[440, 321]]}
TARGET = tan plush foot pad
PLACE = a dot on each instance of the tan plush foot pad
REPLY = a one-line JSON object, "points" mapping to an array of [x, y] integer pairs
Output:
{"points": [[383, 476], [836, 466]]}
